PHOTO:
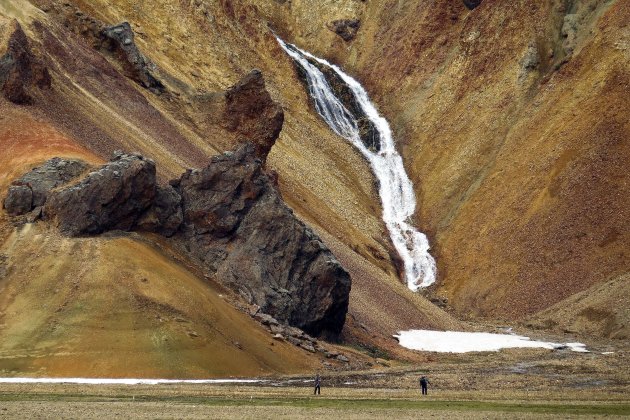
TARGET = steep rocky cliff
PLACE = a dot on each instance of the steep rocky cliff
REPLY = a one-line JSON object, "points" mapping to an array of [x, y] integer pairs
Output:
{"points": [[95, 106]]}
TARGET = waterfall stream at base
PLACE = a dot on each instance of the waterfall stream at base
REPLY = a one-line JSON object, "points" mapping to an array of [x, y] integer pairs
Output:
{"points": [[395, 189]]}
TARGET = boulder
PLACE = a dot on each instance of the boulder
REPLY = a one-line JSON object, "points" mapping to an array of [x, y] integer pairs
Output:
{"points": [[295, 332], [265, 319], [331, 354], [112, 197], [19, 200], [31, 189], [252, 114], [19, 69], [346, 28], [237, 225], [307, 347], [277, 329]]}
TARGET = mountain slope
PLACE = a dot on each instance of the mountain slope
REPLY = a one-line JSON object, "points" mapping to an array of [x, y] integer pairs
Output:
{"points": [[93, 107], [513, 119]]}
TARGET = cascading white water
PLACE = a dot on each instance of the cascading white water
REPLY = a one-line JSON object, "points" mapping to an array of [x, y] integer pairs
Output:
{"points": [[395, 188]]}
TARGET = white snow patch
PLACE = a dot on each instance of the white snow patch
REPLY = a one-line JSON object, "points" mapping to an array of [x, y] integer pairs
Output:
{"points": [[128, 381], [464, 342]]}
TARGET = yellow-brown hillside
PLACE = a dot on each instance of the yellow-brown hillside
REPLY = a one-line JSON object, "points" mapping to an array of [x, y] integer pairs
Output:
{"points": [[513, 120]]}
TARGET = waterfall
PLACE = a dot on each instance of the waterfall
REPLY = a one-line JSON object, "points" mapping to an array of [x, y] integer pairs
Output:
{"points": [[356, 119]]}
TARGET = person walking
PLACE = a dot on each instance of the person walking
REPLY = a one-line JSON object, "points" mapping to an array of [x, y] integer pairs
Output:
{"points": [[424, 384], [318, 383]]}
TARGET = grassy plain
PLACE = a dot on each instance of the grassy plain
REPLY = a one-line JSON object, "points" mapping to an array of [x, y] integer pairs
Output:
{"points": [[509, 384], [235, 401]]}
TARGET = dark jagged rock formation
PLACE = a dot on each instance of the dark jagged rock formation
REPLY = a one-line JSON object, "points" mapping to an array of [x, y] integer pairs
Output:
{"points": [[251, 112], [346, 28], [229, 216], [471, 4], [119, 39], [112, 197], [238, 225], [19, 69], [31, 190]]}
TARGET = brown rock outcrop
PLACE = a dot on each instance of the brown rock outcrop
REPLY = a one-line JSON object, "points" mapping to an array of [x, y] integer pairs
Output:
{"points": [[19, 69], [119, 39], [346, 28], [229, 216], [239, 227], [31, 190], [112, 197], [252, 114]]}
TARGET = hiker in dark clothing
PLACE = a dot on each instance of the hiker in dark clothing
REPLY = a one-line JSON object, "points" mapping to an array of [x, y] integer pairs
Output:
{"points": [[317, 385], [424, 384]]}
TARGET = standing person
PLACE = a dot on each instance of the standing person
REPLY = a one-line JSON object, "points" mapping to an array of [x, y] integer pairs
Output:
{"points": [[317, 385], [424, 384]]}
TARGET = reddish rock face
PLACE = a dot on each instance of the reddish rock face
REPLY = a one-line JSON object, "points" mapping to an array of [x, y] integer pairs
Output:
{"points": [[250, 112], [19, 69]]}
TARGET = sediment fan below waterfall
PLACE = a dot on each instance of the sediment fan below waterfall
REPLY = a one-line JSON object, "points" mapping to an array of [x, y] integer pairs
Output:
{"points": [[345, 109]]}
